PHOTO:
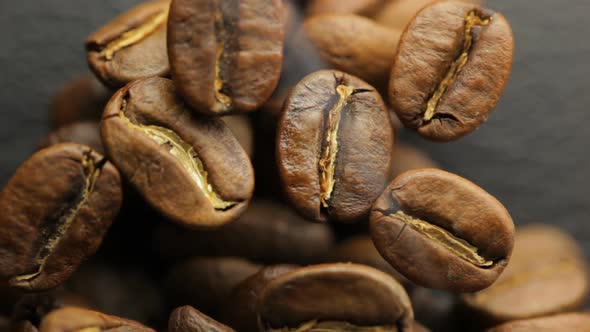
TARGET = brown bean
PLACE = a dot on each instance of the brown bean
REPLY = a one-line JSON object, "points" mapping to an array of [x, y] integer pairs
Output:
{"points": [[56, 210], [189, 167], [132, 46], [452, 64], [441, 231], [225, 56]]}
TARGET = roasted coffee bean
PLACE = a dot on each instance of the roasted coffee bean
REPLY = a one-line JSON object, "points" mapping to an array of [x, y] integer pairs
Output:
{"points": [[81, 99], [359, 7], [280, 236], [241, 307], [189, 167], [565, 322], [339, 297], [205, 283], [397, 14], [355, 45], [132, 46], [225, 56], [334, 146], [77, 319], [407, 158], [241, 127], [56, 210], [546, 275], [124, 291], [32, 308], [452, 64], [85, 133], [361, 250], [188, 319], [441, 231]]}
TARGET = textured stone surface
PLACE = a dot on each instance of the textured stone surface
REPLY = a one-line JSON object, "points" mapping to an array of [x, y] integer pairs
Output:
{"points": [[531, 153]]}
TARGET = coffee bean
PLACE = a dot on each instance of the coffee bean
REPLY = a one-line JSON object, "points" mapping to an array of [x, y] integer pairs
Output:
{"points": [[32, 308], [78, 319], [339, 297], [188, 319], [85, 133], [56, 210], [546, 275], [225, 56], [453, 62], [355, 45], [205, 283], [281, 236], [189, 167], [359, 7], [441, 231], [334, 146], [81, 99], [241, 306], [132, 46], [565, 322]]}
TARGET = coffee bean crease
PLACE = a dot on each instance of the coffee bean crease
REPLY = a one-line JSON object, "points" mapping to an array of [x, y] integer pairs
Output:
{"points": [[456, 245], [472, 19], [58, 225], [133, 35], [184, 153], [225, 39], [327, 163]]}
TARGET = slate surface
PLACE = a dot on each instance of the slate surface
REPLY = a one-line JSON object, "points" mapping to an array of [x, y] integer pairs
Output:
{"points": [[531, 154]]}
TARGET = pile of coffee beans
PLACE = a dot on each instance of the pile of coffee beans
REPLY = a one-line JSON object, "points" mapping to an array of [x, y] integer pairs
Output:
{"points": [[234, 165]]}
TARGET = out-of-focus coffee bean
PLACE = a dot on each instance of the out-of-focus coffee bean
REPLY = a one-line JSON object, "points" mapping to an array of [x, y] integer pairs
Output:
{"points": [[205, 283], [120, 291], [355, 44], [558, 323], [546, 275], [81, 99], [359, 7], [86, 133]]}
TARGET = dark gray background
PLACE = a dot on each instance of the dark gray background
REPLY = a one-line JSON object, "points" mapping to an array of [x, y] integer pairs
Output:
{"points": [[531, 154]]}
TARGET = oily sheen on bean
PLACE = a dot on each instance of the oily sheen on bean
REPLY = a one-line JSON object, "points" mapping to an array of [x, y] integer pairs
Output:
{"points": [[452, 64], [225, 56], [189, 167], [334, 146], [340, 297], [56, 208], [132, 46], [442, 231]]}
